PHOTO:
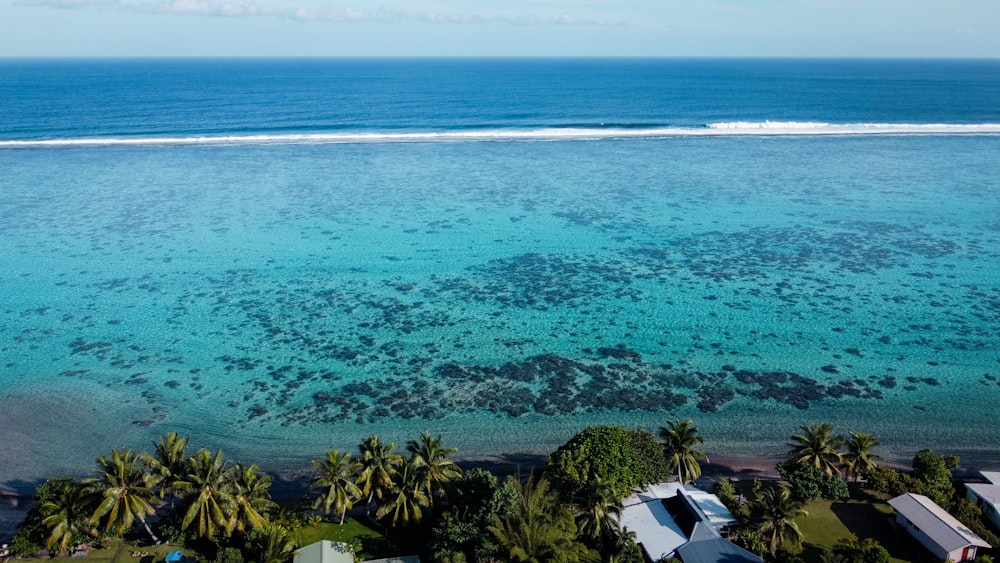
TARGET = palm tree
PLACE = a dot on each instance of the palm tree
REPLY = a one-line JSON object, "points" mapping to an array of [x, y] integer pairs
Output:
{"points": [[208, 486], [774, 511], [67, 513], [680, 437], [539, 528], [434, 469], [276, 544], [859, 458], [819, 447], [251, 498], [378, 464], [126, 488], [169, 461], [407, 497], [599, 510], [336, 479]]}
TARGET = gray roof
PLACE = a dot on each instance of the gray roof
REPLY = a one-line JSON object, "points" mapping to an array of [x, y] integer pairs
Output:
{"points": [[705, 546], [986, 491], [942, 528], [991, 476]]}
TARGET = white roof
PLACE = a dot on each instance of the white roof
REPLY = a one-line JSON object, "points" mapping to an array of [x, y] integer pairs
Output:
{"points": [[986, 491], [942, 528], [657, 491], [654, 528], [324, 551], [991, 476], [710, 509]]}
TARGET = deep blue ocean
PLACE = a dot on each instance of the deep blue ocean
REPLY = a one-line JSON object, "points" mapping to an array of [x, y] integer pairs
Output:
{"points": [[279, 257]]}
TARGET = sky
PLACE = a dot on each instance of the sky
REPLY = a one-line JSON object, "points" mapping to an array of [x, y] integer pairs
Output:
{"points": [[350, 28]]}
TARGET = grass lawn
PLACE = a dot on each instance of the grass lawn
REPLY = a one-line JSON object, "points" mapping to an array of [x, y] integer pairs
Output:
{"points": [[829, 521], [373, 543], [119, 551]]}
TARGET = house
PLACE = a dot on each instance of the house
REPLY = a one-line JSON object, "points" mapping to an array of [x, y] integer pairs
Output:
{"points": [[707, 546], [324, 551], [935, 529], [669, 519], [986, 496]]}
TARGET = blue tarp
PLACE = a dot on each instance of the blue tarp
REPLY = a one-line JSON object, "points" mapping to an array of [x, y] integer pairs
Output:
{"points": [[174, 556]]}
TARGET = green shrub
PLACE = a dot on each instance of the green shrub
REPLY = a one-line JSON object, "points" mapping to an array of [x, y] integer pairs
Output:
{"points": [[809, 483]]}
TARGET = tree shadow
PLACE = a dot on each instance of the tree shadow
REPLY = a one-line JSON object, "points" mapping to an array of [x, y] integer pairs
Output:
{"points": [[864, 520]]}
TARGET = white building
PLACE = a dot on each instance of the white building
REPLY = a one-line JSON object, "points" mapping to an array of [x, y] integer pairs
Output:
{"points": [[986, 496], [701, 518], [935, 529]]}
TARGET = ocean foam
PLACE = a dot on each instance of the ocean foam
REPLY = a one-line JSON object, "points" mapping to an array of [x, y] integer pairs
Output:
{"points": [[730, 128]]}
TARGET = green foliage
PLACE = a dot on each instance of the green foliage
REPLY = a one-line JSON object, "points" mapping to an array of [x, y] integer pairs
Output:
{"points": [[680, 440], [650, 464], [972, 516], [32, 534], [886, 480], [819, 447], [461, 534], [810, 483], [229, 555], [774, 511], [851, 550], [725, 489], [932, 474], [539, 528], [598, 453]]}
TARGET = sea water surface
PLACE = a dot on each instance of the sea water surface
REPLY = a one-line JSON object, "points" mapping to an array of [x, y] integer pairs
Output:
{"points": [[279, 257]]}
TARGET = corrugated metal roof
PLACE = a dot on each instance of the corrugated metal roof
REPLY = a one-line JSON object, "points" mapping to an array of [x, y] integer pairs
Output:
{"points": [[707, 547], [986, 491], [654, 528], [991, 476], [942, 528]]}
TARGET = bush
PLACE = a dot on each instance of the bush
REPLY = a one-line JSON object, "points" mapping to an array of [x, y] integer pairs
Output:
{"points": [[726, 491], [599, 453], [850, 550], [809, 483], [886, 480]]}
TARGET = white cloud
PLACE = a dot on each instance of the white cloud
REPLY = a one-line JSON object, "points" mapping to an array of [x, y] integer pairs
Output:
{"points": [[313, 13]]}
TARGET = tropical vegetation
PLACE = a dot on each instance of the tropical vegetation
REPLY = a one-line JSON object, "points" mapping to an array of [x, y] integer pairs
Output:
{"points": [[421, 500]]}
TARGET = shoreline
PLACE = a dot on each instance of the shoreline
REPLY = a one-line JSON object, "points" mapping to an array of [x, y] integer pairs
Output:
{"points": [[288, 485]]}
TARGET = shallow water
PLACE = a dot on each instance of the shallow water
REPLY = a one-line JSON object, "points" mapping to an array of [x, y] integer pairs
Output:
{"points": [[279, 300]]}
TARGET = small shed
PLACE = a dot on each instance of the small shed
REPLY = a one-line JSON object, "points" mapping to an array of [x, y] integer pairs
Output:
{"points": [[935, 529], [324, 551]]}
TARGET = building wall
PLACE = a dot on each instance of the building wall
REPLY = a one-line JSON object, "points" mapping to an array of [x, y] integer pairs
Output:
{"points": [[933, 547], [989, 510]]}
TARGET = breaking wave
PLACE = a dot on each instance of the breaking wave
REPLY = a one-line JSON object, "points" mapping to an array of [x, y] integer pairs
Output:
{"points": [[730, 128]]}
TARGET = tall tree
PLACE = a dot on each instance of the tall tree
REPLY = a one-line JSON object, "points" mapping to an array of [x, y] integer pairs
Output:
{"points": [[819, 447], [430, 459], [168, 461], [251, 498], [126, 488], [337, 474], [377, 466], [208, 486], [599, 508], [407, 498], [859, 457], [680, 438], [67, 514], [274, 544], [539, 528], [774, 511]]}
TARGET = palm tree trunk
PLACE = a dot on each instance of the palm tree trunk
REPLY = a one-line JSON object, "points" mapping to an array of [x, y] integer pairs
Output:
{"points": [[342, 514], [155, 539]]}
